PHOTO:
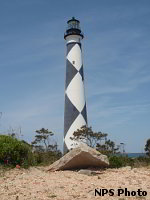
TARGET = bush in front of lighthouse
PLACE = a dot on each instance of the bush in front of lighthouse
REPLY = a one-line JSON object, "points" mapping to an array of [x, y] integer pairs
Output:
{"points": [[14, 152]]}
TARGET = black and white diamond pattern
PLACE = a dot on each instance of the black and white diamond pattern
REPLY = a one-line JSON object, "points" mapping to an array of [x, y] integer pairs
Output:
{"points": [[75, 105], [75, 55], [71, 71]]}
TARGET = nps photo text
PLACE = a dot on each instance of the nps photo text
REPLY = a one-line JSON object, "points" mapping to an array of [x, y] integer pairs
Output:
{"points": [[120, 192]]}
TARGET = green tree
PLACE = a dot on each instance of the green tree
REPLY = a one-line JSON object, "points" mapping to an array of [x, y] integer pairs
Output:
{"points": [[108, 147], [147, 147], [86, 135], [96, 140], [43, 141], [45, 149]]}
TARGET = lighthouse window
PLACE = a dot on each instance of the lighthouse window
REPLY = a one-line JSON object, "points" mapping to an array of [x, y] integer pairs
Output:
{"points": [[73, 24], [73, 62]]}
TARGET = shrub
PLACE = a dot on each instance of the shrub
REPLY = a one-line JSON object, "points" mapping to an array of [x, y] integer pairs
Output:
{"points": [[13, 151], [147, 147], [120, 161], [115, 162], [46, 158], [141, 161]]}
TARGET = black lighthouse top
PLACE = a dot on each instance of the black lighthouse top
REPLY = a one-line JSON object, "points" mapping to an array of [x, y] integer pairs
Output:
{"points": [[73, 28]]}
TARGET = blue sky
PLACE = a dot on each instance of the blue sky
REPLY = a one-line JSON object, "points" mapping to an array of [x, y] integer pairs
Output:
{"points": [[116, 51]]}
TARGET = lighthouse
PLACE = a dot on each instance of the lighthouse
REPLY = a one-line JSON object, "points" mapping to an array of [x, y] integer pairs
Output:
{"points": [[75, 114]]}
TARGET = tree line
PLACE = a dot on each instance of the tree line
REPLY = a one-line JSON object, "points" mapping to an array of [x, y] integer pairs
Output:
{"points": [[43, 150]]}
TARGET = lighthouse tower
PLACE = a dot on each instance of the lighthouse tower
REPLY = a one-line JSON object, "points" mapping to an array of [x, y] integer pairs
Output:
{"points": [[75, 115]]}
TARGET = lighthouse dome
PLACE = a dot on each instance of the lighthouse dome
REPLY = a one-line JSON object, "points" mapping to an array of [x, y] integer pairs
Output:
{"points": [[73, 28]]}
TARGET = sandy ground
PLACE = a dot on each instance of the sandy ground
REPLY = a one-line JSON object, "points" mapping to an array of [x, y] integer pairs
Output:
{"points": [[38, 184]]}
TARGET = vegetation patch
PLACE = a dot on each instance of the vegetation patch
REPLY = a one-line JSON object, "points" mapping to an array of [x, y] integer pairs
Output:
{"points": [[14, 152]]}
